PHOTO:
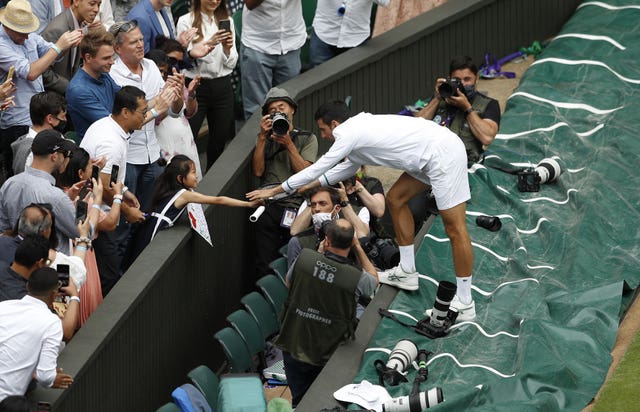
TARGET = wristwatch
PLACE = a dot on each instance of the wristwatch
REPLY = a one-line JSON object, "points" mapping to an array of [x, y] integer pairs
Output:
{"points": [[344, 203], [468, 111]]}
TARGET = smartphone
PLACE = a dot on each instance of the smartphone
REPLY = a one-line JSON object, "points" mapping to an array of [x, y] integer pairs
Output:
{"points": [[63, 274], [12, 70], [44, 406], [81, 211], [88, 185], [95, 172], [225, 25], [114, 174]]}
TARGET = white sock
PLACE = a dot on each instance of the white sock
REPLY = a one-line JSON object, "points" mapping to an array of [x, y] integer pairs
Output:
{"points": [[407, 259], [464, 289]]}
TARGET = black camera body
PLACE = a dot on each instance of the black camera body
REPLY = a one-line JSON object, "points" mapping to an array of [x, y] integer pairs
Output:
{"points": [[528, 180], [450, 87], [383, 252], [280, 123]]}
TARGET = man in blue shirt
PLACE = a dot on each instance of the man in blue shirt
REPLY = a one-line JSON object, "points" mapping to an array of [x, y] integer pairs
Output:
{"points": [[30, 55], [92, 91]]}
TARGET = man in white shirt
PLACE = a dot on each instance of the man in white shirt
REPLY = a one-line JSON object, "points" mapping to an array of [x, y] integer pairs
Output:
{"points": [[339, 25], [109, 137], [31, 337], [273, 32], [132, 69], [430, 155]]}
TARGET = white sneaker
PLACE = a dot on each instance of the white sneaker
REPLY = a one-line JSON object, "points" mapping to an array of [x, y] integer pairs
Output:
{"points": [[466, 312], [399, 278]]}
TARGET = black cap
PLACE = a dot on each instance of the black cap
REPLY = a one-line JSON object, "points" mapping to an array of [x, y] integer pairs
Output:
{"points": [[43, 280], [50, 141]]}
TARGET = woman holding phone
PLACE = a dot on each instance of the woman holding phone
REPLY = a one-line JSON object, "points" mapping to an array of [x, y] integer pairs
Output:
{"points": [[215, 94]]}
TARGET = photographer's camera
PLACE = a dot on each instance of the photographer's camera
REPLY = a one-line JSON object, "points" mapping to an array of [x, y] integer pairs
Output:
{"points": [[450, 87], [280, 123]]}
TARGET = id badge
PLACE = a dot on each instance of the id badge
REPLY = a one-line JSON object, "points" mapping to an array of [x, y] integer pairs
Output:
{"points": [[288, 217]]}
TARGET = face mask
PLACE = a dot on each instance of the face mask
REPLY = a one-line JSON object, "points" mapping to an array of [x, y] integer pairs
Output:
{"points": [[62, 125], [469, 91], [320, 217]]}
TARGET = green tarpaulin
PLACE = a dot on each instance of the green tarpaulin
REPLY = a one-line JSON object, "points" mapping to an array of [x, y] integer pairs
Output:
{"points": [[549, 284]]}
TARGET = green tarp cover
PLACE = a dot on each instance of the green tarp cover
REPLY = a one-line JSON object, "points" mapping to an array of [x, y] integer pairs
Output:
{"points": [[548, 286]]}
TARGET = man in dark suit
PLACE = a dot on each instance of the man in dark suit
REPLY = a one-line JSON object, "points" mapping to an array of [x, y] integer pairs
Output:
{"points": [[81, 13]]}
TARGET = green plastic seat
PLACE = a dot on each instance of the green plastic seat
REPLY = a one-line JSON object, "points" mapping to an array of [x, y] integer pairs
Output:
{"points": [[248, 328], [262, 312], [280, 267], [235, 350], [283, 250], [169, 407], [274, 290], [207, 382]]}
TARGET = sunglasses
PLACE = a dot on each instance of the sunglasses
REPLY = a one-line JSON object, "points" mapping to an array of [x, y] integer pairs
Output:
{"points": [[126, 27], [66, 153]]}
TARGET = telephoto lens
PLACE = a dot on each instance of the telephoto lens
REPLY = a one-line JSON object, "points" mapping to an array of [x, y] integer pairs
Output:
{"points": [[280, 125], [402, 355], [548, 169], [444, 295], [491, 223], [415, 403]]}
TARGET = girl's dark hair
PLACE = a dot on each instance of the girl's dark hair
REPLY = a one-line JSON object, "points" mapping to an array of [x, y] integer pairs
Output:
{"points": [[78, 161], [220, 13], [169, 45], [167, 183]]}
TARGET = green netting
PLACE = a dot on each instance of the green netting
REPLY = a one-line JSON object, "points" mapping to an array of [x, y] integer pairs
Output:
{"points": [[568, 249]]}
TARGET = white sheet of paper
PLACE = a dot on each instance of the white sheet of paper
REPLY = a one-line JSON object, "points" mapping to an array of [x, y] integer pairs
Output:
{"points": [[198, 221]]}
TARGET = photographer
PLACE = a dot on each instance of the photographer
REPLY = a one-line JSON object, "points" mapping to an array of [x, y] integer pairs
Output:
{"points": [[325, 203], [320, 312], [276, 158], [473, 116]]}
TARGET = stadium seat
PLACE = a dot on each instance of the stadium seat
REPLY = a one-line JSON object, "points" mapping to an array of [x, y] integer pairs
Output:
{"points": [[246, 326], [262, 312], [279, 266], [283, 250], [235, 349], [274, 290], [207, 382]]}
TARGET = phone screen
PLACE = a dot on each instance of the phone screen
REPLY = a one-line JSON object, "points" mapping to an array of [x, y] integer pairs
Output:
{"points": [[225, 25], [95, 172], [88, 185], [114, 173], [81, 211], [63, 274]]}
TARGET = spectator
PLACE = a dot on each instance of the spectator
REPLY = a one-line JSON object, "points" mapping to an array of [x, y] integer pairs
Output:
{"points": [[174, 189], [105, 15], [215, 94], [31, 55], [31, 336], [109, 137], [153, 20], [36, 184], [174, 133], [48, 110], [91, 90], [276, 158], [80, 168], [7, 94], [430, 157], [338, 26], [46, 10], [471, 115], [81, 13], [273, 32], [31, 253], [320, 313], [325, 203], [131, 68]]}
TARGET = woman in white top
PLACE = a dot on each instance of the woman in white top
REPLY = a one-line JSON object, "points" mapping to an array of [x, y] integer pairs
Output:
{"points": [[215, 95]]}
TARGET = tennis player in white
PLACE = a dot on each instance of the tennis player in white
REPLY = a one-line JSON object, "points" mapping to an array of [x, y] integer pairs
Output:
{"points": [[429, 154]]}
